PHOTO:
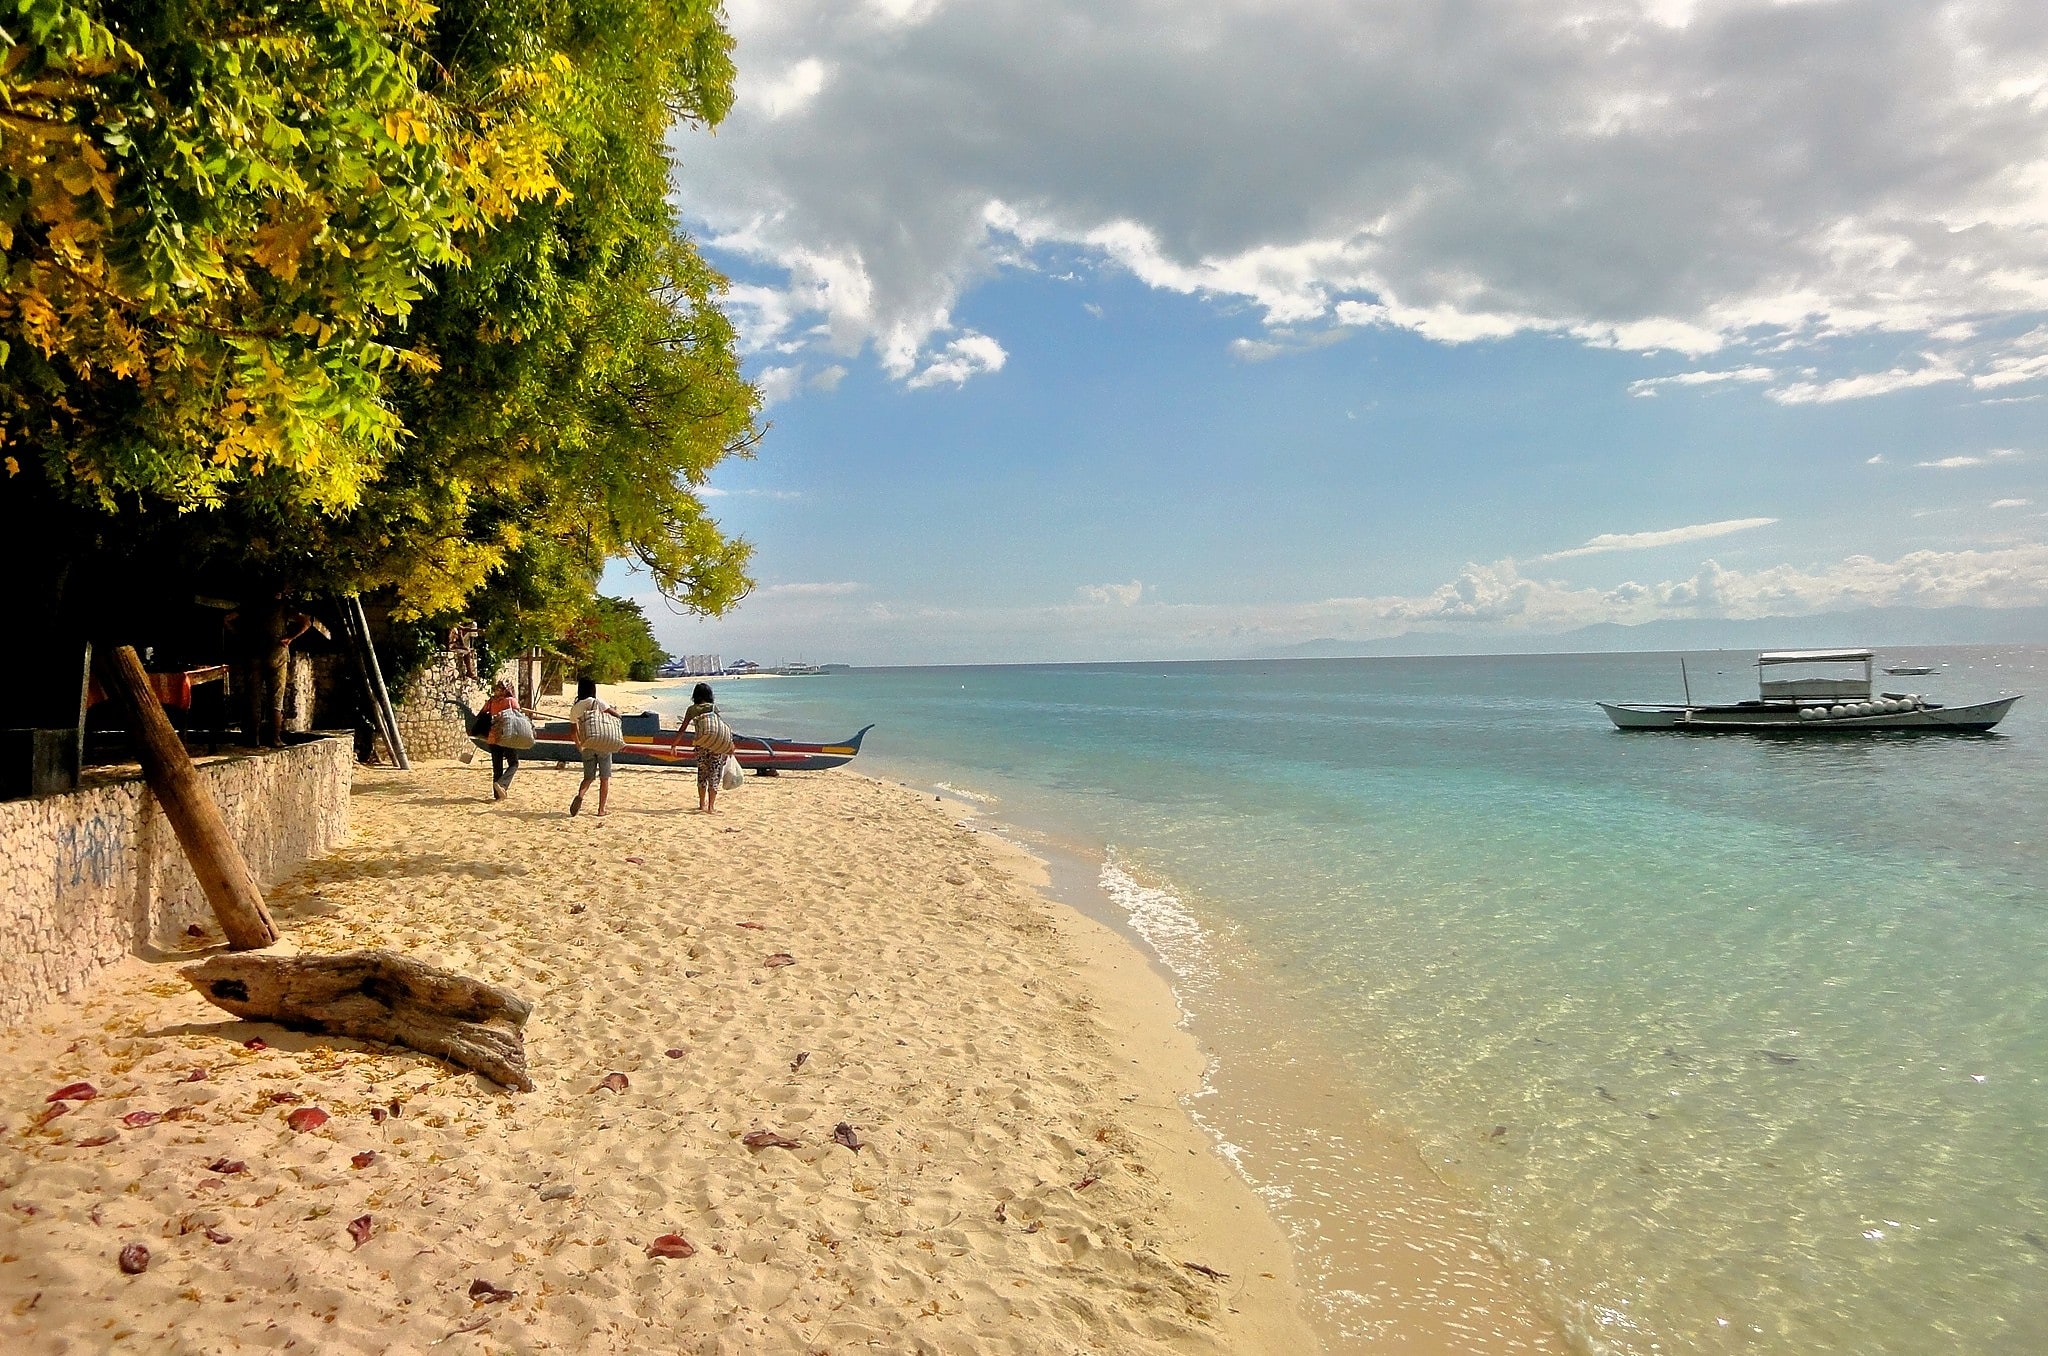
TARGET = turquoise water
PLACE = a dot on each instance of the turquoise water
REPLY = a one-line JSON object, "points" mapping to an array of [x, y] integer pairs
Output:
{"points": [[1738, 1044]]}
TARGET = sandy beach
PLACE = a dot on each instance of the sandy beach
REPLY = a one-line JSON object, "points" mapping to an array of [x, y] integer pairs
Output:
{"points": [[1025, 1181]]}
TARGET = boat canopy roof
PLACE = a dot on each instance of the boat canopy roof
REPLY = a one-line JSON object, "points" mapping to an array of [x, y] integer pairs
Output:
{"points": [[1816, 657]]}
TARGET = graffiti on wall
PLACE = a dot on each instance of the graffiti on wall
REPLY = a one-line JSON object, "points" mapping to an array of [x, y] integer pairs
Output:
{"points": [[89, 854]]}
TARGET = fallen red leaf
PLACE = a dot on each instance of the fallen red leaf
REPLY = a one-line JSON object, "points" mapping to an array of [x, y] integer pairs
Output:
{"points": [[617, 1082], [227, 1166], [671, 1245], [377, 1114], [778, 960], [74, 1092], [256, 1043], [96, 1141], [768, 1139], [306, 1118], [134, 1259], [758, 927], [843, 1133], [196, 1076], [285, 1098], [483, 1290], [365, 1158], [675, 1052], [217, 1236], [360, 1229], [52, 1112], [637, 861], [135, 1120]]}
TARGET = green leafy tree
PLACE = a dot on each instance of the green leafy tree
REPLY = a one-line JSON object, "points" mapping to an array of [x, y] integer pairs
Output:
{"points": [[351, 295], [612, 643]]}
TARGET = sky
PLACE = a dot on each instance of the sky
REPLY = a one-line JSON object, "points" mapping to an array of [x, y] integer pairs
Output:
{"points": [[1125, 329]]}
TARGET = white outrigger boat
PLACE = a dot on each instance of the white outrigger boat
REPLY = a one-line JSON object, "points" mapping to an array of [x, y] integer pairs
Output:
{"points": [[1804, 705]]}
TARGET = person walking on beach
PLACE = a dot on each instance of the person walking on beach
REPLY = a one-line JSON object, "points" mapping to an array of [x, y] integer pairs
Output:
{"points": [[713, 744], [597, 767], [504, 761]]}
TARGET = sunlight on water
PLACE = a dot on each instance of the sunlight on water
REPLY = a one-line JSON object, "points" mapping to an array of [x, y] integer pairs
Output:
{"points": [[1739, 1045]]}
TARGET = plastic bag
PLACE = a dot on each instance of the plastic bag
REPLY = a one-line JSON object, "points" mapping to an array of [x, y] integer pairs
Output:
{"points": [[730, 775]]}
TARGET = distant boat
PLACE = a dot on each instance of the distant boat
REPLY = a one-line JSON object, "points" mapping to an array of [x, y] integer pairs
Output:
{"points": [[801, 670], [1910, 670], [1809, 705]]}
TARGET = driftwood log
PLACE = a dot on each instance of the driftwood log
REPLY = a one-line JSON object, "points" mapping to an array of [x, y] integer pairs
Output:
{"points": [[379, 996]]}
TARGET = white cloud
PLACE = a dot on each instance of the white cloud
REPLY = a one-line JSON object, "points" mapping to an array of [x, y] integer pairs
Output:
{"points": [[814, 590], [1657, 175], [968, 355], [1120, 595], [1957, 463], [778, 383], [1877, 460], [1649, 386], [2012, 503], [787, 92], [1670, 536], [1495, 599], [1867, 384]]}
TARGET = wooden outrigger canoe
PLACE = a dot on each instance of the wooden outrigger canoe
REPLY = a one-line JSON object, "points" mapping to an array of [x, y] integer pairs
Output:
{"points": [[647, 745]]}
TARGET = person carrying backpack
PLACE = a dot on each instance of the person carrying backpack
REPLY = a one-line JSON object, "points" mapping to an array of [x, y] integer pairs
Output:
{"points": [[713, 743]]}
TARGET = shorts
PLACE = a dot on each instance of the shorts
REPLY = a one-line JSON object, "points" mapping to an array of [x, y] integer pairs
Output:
{"points": [[709, 766], [597, 765]]}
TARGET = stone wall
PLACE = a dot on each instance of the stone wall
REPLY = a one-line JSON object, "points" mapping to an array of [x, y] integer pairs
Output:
{"points": [[91, 875], [430, 726]]}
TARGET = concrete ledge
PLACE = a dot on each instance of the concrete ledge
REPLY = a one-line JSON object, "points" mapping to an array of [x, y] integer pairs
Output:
{"points": [[95, 874]]}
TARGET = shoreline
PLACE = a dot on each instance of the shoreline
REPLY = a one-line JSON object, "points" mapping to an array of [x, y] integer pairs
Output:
{"points": [[1012, 1070]]}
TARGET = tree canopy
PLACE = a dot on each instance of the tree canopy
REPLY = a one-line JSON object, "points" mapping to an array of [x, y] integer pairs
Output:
{"points": [[612, 643], [318, 296]]}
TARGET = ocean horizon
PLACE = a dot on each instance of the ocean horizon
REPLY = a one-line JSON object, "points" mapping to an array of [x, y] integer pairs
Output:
{"points": [[1714, 1044]]}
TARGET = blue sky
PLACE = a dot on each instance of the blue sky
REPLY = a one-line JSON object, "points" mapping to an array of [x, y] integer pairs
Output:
{"points": [[1132, 331]]}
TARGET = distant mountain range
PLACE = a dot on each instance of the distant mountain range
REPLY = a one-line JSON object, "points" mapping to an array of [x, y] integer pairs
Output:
{"points": [[1876, 626]]}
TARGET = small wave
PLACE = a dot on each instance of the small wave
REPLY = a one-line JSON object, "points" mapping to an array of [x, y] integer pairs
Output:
{"points": [[962, 793], [1164, 922]]}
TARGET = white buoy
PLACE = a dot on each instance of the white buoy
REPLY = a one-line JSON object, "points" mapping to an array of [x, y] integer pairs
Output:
{"points": [[1837, 711], [1808, 713]]}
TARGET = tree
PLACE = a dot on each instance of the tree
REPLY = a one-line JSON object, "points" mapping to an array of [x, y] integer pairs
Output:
{"points": [[612, 643], [391, 299]]}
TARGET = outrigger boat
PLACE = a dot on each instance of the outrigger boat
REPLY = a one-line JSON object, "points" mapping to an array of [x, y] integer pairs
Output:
{"points": [[648, 745], [1808, 705]]}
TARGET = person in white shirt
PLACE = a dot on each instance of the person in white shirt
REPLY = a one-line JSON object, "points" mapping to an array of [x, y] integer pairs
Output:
{"points": [[597, 767]]}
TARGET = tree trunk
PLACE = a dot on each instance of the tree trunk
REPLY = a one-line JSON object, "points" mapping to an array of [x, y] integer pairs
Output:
{"points": [[216, 860], [379, 996]]}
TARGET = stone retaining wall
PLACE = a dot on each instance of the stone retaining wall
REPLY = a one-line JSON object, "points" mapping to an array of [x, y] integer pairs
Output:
{"points": [[95, 874], [429, 725]]}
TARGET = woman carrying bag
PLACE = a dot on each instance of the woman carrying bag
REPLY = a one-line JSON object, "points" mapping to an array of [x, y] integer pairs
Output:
{"points": [[713, 743], [594, 725], [509, 734]]}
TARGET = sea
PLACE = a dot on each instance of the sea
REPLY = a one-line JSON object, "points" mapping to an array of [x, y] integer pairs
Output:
{"points": [[1709, 1044]]}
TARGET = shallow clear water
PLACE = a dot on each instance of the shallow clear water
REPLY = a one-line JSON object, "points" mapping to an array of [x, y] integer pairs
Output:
{"points": [[1739, 1044]]}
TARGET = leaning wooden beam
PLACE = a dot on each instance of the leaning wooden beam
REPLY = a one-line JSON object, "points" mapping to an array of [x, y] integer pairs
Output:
{"points": [[218, 863], [379, 996]]}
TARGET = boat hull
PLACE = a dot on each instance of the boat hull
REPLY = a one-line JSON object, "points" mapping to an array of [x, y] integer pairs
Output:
{"points": [[648, 745], [1766, 718]]}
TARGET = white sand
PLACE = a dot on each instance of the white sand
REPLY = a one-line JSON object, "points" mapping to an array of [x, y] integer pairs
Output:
{"points": [[1028, 1181]]}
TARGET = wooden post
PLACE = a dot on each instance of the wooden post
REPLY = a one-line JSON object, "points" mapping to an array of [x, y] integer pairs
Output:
{"points": [[216, 861]]}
